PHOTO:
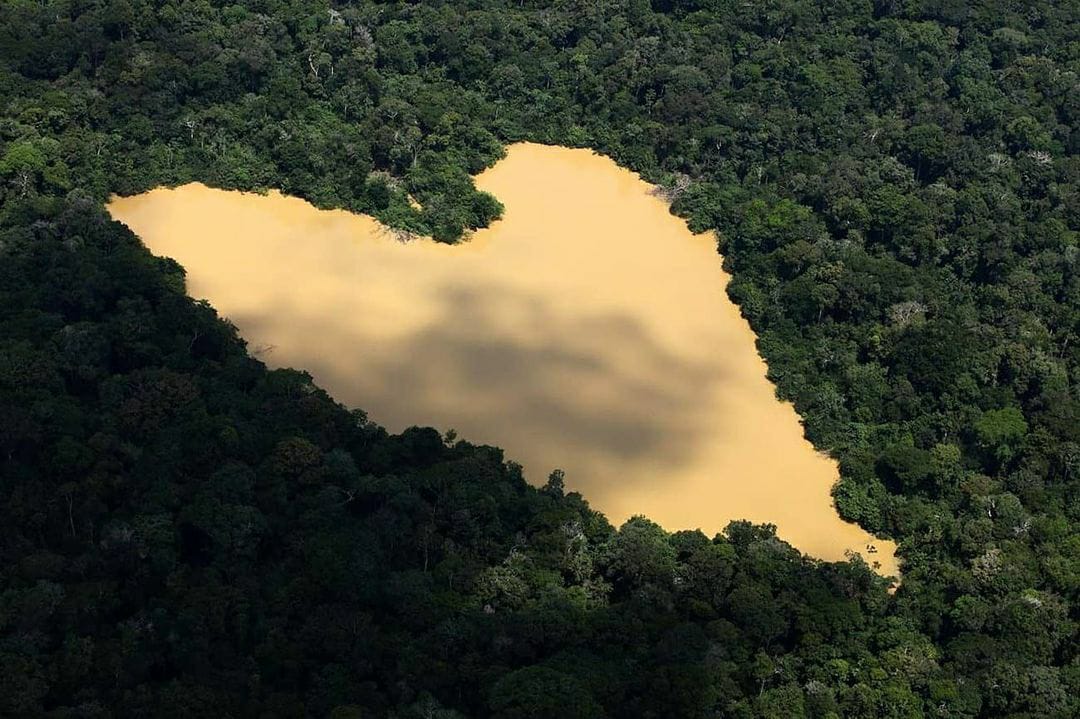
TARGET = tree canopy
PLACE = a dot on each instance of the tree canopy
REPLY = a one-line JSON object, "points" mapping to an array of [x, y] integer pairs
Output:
{"points": [[895, 187]]}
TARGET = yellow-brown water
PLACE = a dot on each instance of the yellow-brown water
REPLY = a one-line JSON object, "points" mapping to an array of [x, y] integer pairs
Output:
{"points": [[587, 330]]}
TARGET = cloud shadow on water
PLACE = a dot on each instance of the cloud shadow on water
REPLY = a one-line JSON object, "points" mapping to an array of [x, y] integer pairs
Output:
{"points": [[592, 392]]}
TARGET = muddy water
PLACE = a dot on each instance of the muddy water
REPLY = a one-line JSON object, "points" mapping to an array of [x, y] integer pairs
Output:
{"points": [[588, 329]]}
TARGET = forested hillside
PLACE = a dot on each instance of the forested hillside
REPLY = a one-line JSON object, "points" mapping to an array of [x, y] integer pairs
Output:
{"points": [[896, 191]]}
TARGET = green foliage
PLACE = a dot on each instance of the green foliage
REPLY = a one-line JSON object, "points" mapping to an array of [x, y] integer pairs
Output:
{"points": [[542, 693], [1000, 431], [895, 188]]}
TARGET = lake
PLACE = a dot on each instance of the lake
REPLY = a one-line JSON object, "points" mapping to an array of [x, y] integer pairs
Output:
{"points": [[588, 330]]}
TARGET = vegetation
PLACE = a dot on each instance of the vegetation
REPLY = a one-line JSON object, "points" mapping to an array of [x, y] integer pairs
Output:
{"points": [[896, 189]]}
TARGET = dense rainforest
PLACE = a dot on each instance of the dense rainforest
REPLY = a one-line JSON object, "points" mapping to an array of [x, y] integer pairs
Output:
{"points": [[895, 188]]}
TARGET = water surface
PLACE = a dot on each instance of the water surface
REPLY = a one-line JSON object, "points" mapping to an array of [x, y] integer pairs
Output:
{"points": [[589, 329]]}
